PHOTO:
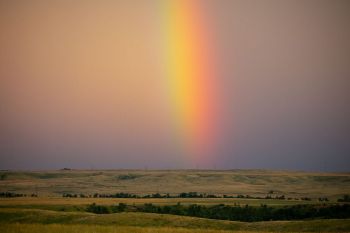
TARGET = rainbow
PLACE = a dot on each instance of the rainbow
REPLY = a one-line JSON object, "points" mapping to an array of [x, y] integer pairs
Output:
{"points": [[190, 71]]}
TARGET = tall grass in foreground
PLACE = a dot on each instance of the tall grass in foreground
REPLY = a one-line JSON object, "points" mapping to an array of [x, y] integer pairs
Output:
{"points": [[60, 228]]}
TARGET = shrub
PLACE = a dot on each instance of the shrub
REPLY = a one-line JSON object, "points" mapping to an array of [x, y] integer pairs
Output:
{"points": [[121, 207], [97, 209], [346, 198]]}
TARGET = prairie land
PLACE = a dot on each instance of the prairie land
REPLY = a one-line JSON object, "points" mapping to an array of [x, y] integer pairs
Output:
{"points": [[219, 182], [53, 213], [61, 228], [39, 220]]}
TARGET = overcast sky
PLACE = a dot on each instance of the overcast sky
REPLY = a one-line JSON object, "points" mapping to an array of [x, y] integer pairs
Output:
{"points": [[81, 85]]}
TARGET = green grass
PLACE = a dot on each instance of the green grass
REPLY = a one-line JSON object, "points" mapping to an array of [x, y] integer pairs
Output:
{"points": [[59, 228], [11, 217]]}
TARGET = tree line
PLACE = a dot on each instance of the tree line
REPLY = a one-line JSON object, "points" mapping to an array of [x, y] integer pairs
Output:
{"points": [[235, 213], [10, 195], [185, 195]]}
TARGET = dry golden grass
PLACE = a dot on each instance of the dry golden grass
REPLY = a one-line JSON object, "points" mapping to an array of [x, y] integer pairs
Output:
{"points": [[233, 182], [60, 228], [58, 201]]}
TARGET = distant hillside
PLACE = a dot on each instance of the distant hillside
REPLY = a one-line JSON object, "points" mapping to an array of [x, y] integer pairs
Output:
{"points": [[232, 182]]}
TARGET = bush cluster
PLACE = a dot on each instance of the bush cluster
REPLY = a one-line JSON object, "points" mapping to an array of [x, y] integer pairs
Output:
{"points": [[9, 195], [101, 209], [346, 198], [250, 214], [235, 213]]}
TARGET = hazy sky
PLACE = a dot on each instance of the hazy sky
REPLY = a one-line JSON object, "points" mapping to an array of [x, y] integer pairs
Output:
{"points": [[82, 85]]}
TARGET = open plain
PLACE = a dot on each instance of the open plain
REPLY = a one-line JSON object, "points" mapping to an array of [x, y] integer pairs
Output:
{"points": [[49, 211]]}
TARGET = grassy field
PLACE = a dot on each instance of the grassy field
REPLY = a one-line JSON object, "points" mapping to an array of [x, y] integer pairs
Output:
{"points": [[60, 228], [233, 182], [10, 219], [51, 213], [51, 202]]}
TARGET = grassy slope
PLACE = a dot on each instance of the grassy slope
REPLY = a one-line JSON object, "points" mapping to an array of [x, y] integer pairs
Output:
{"points": [[10, 217], [68, 203], [59, 228], [251, 182]]}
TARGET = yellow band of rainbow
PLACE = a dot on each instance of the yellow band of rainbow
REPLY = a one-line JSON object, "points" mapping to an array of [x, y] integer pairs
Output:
{"points": [[190, 73]]}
